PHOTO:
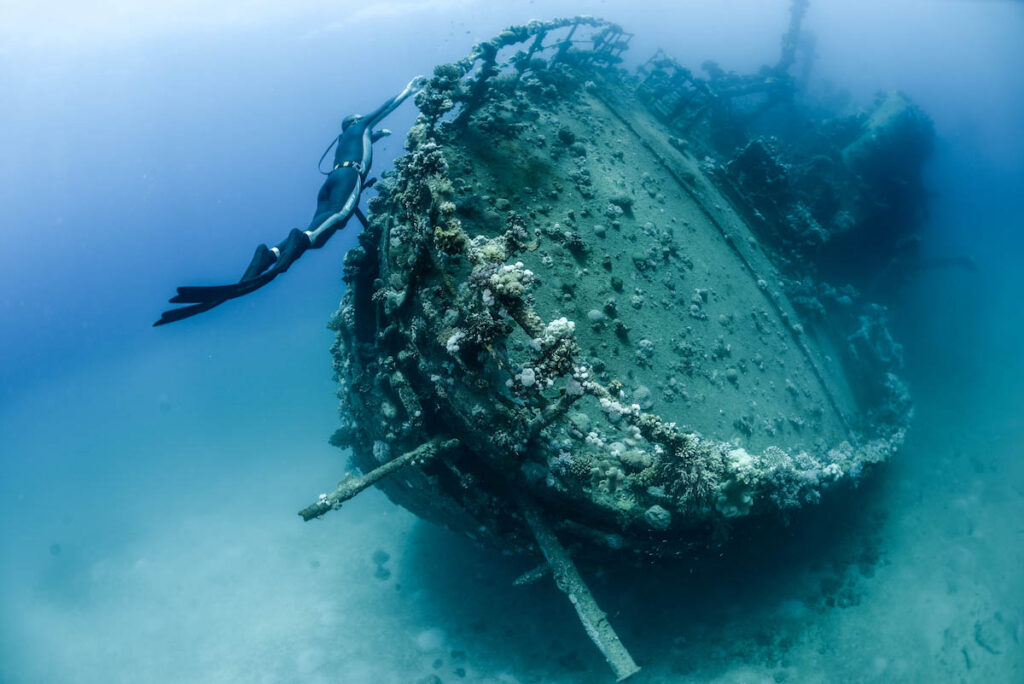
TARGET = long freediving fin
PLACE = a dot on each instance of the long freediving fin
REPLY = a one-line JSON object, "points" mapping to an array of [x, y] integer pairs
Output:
{"points": [[291, 249], [172, 315], [207, 293], [261, 260]]}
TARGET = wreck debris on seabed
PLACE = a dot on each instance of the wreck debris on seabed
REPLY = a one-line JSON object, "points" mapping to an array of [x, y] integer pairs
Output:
{"points": [[591, 308]]}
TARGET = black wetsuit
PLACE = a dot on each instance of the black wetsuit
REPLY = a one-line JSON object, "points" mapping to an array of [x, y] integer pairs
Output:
{"points": [[336, 202], [352, 160]]}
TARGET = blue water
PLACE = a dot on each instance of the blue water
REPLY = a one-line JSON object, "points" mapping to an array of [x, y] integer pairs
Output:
{"points": [[149, 478]]}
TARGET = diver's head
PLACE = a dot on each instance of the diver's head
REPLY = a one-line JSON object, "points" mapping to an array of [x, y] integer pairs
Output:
{"points": [[349, 120]]}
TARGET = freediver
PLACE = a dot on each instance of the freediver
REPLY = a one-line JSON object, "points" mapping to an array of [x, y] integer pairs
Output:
{"points": [[337, 200]]}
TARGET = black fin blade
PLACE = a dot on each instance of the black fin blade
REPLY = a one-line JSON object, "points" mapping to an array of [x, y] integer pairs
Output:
{"points": [[184, 312], [206, 293]]}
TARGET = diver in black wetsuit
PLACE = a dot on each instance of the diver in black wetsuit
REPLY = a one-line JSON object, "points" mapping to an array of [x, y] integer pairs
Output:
{"points": [[336, 202]]}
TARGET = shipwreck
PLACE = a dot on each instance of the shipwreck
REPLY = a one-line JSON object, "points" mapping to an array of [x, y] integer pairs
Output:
{"points": [[624, 311]]}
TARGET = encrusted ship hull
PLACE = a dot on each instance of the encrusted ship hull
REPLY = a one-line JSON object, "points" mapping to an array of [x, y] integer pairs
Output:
{"points": [[557, 280], [595, 307]]}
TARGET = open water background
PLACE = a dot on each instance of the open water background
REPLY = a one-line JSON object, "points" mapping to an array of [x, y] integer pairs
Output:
{"points": [[149, 478]]}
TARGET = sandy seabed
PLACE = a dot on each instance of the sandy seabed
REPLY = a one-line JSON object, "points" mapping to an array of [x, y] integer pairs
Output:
{"points": [[149, 534]]}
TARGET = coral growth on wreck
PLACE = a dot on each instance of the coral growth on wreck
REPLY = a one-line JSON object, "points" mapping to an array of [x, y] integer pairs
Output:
{"points": [[567, 275]]}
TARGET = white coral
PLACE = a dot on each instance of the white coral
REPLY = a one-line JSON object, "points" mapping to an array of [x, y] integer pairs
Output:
{"points": [[556, 330], [453, 342], [735, 496], [510, 281]]}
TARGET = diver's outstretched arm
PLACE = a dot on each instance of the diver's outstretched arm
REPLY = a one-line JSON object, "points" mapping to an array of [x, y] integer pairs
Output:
{"points": [[376, 116]]}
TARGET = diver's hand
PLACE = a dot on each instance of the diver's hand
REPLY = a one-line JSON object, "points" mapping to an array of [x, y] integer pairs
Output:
{"points": [[415, 85]]}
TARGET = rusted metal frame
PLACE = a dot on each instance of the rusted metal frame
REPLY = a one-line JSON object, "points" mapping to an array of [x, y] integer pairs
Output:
{"points": [[623, 45], [564, 45], [524, 63], [351, 486], [569, 581]]}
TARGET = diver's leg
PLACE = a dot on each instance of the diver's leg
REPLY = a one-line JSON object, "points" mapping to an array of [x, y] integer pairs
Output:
{"points": [[342, 187], [287, 251], [294, 246], [344, 197], [263, 259]]}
